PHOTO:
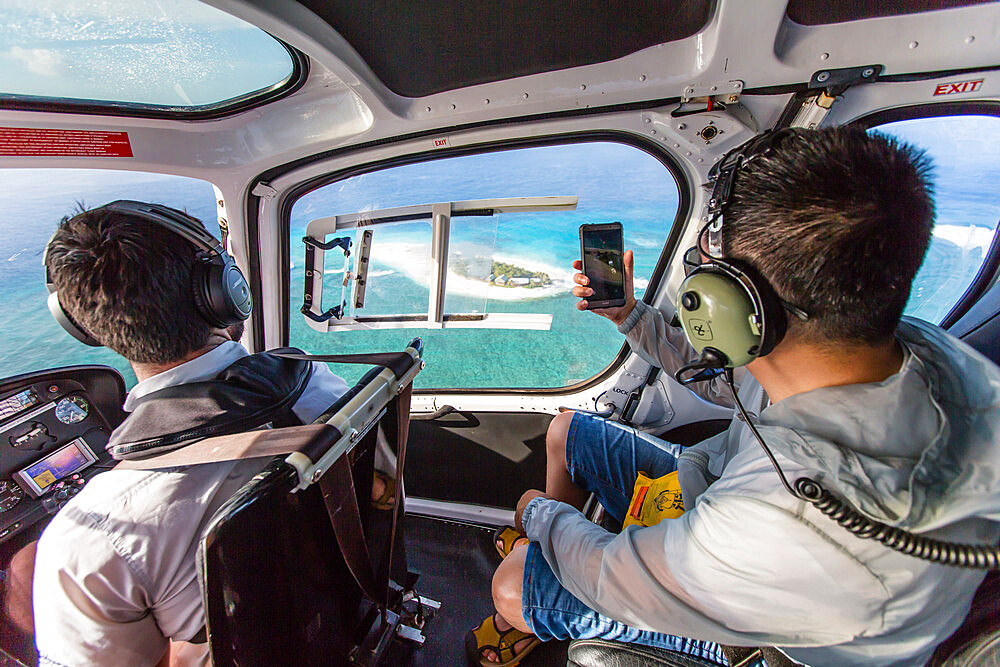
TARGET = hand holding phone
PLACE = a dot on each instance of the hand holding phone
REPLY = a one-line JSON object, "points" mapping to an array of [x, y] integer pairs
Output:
{"points": [[616, 315]]}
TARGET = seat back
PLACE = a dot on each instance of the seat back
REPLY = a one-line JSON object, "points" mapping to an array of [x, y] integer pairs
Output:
{"points": [[275, 584], [278, 581]]}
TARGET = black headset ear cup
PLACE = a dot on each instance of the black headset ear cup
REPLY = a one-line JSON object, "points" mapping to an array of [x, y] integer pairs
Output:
{"points": [[68, 324], [221, 293]]}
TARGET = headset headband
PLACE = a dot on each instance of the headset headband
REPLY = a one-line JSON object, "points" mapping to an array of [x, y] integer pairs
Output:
{"points": [[187, 226]]}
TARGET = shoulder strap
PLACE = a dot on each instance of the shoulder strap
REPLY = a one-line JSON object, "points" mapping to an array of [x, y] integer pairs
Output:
{"points": [[311, 439]]}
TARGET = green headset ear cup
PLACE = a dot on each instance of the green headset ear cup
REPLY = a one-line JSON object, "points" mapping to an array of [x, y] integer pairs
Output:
{"points": [[723, 319]]}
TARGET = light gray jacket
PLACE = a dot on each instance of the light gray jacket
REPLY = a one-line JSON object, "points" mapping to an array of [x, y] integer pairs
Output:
{"points": [[749, 564]]}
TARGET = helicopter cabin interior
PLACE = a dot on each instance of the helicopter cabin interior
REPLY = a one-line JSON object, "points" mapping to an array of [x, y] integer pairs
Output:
{"points": [[383, 171]]}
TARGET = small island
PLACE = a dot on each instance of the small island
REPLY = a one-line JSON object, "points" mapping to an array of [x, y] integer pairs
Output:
{"points": [[509, 275], [501, 274]]}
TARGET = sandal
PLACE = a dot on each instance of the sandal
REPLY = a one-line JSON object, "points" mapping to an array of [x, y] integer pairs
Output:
{"points": [[487, 636], [387, 499], [509, 538]]}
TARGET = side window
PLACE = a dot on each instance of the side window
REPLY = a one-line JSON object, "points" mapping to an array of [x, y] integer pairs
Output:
{"points": [[32, 202], [966, 159], [474, 254]]}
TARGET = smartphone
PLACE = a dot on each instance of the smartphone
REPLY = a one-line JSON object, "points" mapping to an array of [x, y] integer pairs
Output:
{"points": [[601, 249]]}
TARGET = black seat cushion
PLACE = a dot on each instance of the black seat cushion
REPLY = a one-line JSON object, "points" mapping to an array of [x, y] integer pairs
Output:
{"points": [[977, 640]]}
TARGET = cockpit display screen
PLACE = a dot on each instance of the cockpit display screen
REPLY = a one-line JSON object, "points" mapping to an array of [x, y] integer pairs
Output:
{"points": [[39, 476], [18, 403]]}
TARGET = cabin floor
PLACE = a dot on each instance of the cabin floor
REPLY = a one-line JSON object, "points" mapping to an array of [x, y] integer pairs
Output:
{"points": [[456, 563]]}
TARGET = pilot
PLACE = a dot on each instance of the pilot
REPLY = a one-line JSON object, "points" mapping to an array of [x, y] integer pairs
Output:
{"points": [[890, 414], [115, 574]]}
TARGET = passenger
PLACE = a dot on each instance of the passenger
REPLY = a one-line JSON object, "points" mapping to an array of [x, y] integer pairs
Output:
{"points": [[894, 415], [115, 575]]}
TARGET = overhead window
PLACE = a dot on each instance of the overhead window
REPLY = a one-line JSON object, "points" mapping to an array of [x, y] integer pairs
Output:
{"points": [[966, 158], [474, 254], [32, 203], [180, 55]]}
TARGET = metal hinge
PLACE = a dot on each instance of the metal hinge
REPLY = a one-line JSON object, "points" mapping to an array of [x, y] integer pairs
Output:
{"points": [[264, 191]]}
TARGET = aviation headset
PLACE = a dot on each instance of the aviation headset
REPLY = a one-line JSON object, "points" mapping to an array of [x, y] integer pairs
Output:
{"points": [[221, 294], [728, 311]]}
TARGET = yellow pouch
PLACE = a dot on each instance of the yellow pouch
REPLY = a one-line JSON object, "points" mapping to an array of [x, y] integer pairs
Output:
{"points": [[654, 500]]}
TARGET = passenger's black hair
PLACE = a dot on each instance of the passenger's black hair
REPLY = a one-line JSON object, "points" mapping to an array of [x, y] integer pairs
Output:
{"points": [[838, 220], [128, 283]]}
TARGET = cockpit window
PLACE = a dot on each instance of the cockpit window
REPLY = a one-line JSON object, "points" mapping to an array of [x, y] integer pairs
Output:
{"points": [[966, 154], [474, 253], [174, 55], [32, 202]]}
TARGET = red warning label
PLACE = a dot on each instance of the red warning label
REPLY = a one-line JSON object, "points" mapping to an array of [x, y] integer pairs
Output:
{"points": [[25, 141]]}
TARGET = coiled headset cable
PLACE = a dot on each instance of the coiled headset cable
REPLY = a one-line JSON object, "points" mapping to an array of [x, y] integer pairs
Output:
{"points": [[936, 551]]}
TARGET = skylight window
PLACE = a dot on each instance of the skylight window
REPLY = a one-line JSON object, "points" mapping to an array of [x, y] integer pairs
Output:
{"points": [[172, 55]]}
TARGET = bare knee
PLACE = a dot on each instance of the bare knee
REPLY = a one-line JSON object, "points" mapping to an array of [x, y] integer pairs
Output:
{"points": [[555, 437], [507, 588]]}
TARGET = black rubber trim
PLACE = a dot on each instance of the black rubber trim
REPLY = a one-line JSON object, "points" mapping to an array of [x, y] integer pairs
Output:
{"points": [[617, 136], [926, 76], [235, 105], [991, 263]]}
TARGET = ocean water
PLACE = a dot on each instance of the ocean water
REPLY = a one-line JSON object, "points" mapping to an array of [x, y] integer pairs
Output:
{"points": [[612, 182]]}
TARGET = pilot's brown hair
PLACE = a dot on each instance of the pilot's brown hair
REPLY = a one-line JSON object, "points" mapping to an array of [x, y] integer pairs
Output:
{"points": [[128, 283], [838, 220]]}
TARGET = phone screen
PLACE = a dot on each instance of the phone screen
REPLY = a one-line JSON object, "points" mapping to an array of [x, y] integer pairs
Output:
{"points": [[601, 246]]}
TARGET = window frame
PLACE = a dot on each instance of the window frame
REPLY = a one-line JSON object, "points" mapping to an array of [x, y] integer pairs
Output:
{"points": [[991, 262], [296, 79], [639, 142]]}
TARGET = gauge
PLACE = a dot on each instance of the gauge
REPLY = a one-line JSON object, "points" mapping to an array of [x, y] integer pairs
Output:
{"points": [[72, 409], [10, 495]]}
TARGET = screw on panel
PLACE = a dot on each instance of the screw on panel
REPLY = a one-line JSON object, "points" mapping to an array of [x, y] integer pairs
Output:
{"points": [[824, 56], [642, 77], [867, 72], [822, 76], [583, 86], [524, 96], [970, 39], [914, 44]]}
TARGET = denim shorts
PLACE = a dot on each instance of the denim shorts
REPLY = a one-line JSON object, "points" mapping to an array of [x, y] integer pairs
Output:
{"points": [[604, 458]]}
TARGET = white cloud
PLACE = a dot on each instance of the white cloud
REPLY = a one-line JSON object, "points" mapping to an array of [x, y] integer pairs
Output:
{"points": [[45, 62]]}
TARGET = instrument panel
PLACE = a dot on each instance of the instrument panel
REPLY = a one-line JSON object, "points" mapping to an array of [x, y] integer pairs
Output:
{"points": [[54, 426]]}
